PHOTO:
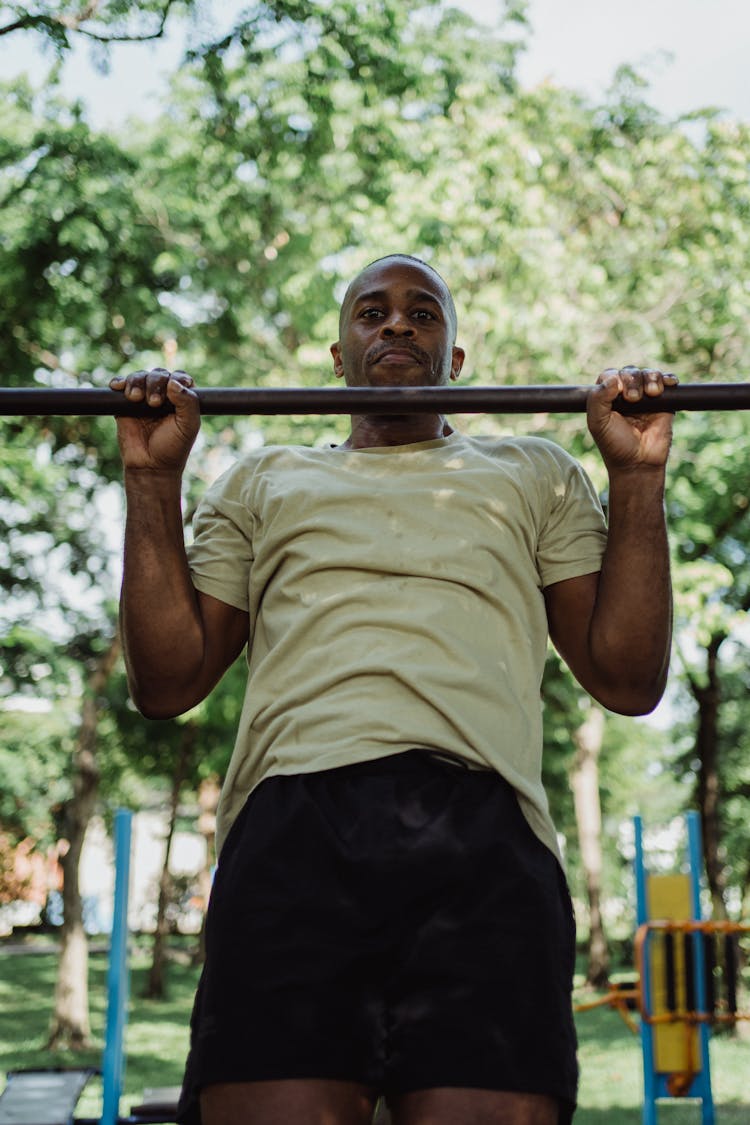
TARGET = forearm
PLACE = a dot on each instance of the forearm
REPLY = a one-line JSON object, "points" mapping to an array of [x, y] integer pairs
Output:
{"points": [[159, 612], [631, 624]]}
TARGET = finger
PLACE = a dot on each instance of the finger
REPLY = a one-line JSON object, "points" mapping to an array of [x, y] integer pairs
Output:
{"points": [[632, 382], [183, 377], [608, 374], [180, 393], [156, 385], [654, 381], [608, 386], [132, 385]]}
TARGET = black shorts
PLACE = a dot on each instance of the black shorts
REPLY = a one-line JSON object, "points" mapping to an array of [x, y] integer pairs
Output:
{"points": [[395, 923]]}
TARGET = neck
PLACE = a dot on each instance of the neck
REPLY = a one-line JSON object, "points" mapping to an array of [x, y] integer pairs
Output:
{"points": [[372, 430]]}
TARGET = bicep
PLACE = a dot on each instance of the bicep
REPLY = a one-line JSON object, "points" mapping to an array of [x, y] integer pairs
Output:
{"points": [[225, 634], [570, 608]]}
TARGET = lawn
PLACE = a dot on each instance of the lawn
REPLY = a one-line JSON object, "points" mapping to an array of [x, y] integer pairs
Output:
{"points": [[611, 1089], [611, 1071], [156, 1037]]}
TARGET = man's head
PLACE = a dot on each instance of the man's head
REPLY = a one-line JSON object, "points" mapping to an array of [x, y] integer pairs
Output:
{"points": [[397, 326]]}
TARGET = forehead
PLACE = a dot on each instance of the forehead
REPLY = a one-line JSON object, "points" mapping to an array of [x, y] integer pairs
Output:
{"points": [[398, 276]]}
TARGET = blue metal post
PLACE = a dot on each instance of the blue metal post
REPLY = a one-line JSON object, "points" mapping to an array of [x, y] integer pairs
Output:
{"points": [[695, 854], [117, 977], [647, 1034]]}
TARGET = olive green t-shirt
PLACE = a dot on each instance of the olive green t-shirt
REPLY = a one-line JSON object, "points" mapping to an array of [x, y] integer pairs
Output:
{"points": [[395, 602]]}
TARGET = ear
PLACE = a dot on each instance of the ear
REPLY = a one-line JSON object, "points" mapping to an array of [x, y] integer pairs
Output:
{"points": [[338, 363], [457, 362]]}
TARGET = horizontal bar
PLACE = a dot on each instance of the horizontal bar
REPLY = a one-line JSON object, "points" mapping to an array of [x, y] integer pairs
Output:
{"points": [[87, 401]]}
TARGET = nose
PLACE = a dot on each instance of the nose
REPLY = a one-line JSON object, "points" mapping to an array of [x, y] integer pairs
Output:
{"points": [[396, 324]]}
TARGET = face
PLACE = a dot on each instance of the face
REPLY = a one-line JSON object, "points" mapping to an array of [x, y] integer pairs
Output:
{"points": [[397, 328]]}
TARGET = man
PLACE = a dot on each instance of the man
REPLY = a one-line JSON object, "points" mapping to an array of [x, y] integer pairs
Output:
{"points": [[389, 914]]}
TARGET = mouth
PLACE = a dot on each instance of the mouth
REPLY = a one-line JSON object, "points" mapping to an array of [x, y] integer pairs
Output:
{"points": [[399, 357]]}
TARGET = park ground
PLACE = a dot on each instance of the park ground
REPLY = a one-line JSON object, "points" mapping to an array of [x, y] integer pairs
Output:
{"points": [[611, 1070]]}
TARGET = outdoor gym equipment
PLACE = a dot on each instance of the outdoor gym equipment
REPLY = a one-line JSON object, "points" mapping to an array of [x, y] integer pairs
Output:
{"points": [[49, 1097], [687, 979], [553, 399]]}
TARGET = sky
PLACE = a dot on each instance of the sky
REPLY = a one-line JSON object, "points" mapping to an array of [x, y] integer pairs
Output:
{"points": [[695, 53]]}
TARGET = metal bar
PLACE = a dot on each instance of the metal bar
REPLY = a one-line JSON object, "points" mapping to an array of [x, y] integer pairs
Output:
{"points": [[709, 960], [89, 401], [117, 975], [696, 972], [670, 973], [731, 958]]}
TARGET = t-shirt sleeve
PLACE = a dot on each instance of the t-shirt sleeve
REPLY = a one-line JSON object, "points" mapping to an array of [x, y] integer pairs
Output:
{"points": [[574, 534], [221, 553]]}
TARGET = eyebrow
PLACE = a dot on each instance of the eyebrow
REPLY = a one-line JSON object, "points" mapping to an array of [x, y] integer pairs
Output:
{"points": [[412, 294]]}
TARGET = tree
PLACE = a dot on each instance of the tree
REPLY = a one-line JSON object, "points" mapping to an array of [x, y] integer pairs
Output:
{"points": [[710, 500], [70, 1021], [574, 234], [71, 266], [588, 738], [101, 21], [156, 984]]}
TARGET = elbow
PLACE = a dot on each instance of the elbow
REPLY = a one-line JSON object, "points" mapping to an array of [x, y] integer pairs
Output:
{"points": [[158, 710], [632, 699], [632, 708], [161, 703]]}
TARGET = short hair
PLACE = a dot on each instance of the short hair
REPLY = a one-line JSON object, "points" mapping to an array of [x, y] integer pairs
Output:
{"points": [[452, 315]]}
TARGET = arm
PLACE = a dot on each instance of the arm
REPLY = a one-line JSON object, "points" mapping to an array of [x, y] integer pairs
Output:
{"points": [[614, 628], [177, 641]]}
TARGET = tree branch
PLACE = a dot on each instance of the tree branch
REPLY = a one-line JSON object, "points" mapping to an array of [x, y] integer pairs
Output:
{"points": [[74, 24], [23, 23]]}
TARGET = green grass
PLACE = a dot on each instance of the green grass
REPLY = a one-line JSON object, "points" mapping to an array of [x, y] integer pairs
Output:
{"points": [[611, 1089], [609, 1058], [156, 1036]]}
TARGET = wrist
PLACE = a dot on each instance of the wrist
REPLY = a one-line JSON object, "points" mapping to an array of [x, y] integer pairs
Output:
{"points": [[638, 477], [637, 495], [162, 482]]}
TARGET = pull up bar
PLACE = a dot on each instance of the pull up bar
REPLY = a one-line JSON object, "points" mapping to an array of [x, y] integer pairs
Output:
{"points": [[87, 401]]}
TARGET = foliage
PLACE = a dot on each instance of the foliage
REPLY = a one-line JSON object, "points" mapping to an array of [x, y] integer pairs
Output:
{"points": [[59, 23], [79, 249], [142, 756], [33, 756], [305, 141]]}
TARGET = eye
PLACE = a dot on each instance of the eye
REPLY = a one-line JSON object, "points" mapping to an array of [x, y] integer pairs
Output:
{"points": [[424, 314], [371, 313]]}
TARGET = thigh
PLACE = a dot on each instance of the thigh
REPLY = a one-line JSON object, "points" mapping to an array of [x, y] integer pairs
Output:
{"points": [[481, 998], [287, 1102], [474, 1107], [289, 990]]}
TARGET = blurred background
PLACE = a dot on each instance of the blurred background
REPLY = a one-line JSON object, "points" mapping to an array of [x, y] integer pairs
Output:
{"points": [[192, 185]]}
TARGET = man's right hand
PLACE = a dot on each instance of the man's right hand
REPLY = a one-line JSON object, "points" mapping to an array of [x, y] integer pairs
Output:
{"points": [[164, 441]]}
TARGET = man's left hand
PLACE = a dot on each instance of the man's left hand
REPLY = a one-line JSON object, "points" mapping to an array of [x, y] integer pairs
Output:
{"points": [[636, 440]]}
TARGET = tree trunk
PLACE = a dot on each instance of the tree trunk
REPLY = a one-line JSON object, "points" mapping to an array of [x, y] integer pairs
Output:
{"points": [[585, 784], [708, 698], [70, 1018], [156, 987], [208, 801]]}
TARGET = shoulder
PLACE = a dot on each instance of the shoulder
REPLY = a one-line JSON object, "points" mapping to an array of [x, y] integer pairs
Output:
{"points": [[252, 467], [538, 454], [551, 481]]}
